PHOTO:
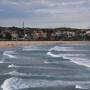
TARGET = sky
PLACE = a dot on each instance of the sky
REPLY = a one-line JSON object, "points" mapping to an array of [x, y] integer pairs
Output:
{"points": [[45, 13]]}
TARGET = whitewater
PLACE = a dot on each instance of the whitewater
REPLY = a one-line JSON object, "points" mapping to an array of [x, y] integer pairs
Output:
{"points": [[45, 67]]}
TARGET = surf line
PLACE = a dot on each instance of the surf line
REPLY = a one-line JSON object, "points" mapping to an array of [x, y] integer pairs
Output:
{"points": [[9, 54]]}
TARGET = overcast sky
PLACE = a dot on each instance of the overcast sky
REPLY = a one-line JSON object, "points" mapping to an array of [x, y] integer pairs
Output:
{"points": [[45, 13]]}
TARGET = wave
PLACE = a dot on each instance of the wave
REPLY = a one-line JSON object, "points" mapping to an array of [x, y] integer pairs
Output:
{"points": [[33, 67], [12, 66], [4, 62], [78, 58], [53, 55], [75, 58], [15, 73], [62, 48], [64, 56], [19, 83], [81, 61], [53, 62], [31, 48], [9, 54], [82, 86]]}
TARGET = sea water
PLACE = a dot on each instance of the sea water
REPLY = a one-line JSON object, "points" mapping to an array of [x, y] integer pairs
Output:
{"points": [[45, 67]]}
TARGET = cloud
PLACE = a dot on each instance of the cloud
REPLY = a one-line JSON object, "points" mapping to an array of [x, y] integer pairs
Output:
{"points": [[56, 11], [46, 12], [73, 3]]}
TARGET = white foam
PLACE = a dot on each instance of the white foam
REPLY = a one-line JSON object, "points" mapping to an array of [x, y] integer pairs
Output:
{"points": [[81, 61], [82, 86], [47, 62], [11, 84], [11, 66], [9, 54], [18, 83], [33, 67], [75, 58], [53, 55], [64, 56], [54, 62], [30, 48], [78, 58], [15, 73], [62, 48], [4, 62]]}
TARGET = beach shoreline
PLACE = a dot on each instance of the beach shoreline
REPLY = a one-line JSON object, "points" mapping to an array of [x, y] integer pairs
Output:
{"points": [[12, 44]]}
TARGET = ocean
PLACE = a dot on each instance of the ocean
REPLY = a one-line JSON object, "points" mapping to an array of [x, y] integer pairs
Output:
{"points": [[45, 67]]}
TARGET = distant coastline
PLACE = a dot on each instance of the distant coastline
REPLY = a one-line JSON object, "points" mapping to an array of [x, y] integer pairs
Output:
{"points": [[43, 34]]}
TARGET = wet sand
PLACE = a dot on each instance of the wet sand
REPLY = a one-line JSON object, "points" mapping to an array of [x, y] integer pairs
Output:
{"points": [[11, 44]]}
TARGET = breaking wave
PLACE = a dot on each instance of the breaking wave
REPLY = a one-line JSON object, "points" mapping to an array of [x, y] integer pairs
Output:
{"points": [[19, 83], [53, 55], [63, 48], [56, 55], [76, 58], [15, 73], [9, 54], [33, 67], [60, 48], [31, 48], [11, 66], [82, 86], [44, 78], [81, 61], [65, 56], [20, 74], [53, 62]]}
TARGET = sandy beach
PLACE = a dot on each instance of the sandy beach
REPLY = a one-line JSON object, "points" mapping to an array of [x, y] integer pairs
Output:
{"points": [[10, 44]]}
